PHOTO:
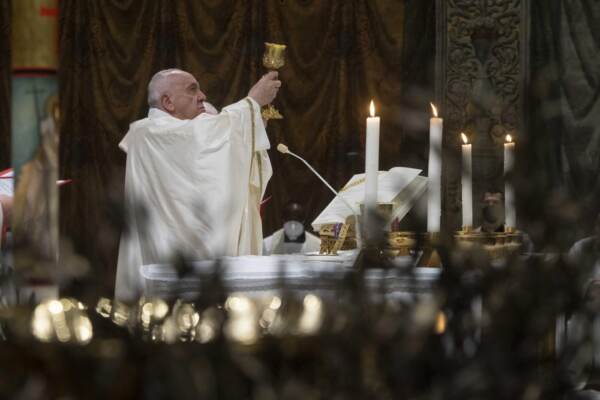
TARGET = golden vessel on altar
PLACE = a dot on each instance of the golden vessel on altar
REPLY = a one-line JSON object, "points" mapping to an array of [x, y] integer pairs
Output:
{"points": [[497, 245], [343, 236]]}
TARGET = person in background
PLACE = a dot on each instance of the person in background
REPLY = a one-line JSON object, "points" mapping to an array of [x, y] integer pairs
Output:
{"points": [[492, 212], [493, 218], [6, 203], [586, 252], [584, 256], [292, 238]]}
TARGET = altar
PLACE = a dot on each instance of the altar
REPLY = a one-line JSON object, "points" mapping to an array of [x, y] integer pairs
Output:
{"points": [[261, 275]]}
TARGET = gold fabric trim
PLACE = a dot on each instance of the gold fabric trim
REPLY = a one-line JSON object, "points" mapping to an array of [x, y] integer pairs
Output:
{"points": [[258, 159], [357, 182]]}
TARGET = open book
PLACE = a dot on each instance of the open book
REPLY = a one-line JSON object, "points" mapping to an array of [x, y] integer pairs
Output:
{"points": [[400, 186], [7, 182]]}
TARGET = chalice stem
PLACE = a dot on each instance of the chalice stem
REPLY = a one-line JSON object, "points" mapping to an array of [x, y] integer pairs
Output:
{"points": [[270, 112]]}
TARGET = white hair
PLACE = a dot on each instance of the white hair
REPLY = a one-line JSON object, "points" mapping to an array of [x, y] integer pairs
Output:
{"points": [[158, 86]]}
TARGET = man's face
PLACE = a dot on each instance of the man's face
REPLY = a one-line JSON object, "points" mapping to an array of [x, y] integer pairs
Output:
{"points": [[293, 229], [185, 99], [492, 207]]}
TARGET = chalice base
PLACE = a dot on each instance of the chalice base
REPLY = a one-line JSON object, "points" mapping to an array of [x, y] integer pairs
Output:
{"points": [[270, 112]]}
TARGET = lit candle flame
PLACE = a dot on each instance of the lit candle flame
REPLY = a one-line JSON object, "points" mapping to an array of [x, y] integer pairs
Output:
{"points": [[435, 113], [508, 139], [440, 323], [464, 138], [372, 109]]}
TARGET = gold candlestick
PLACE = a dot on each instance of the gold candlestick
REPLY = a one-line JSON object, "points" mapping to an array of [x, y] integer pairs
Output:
{"points": [[430, 257], [273, 59]]}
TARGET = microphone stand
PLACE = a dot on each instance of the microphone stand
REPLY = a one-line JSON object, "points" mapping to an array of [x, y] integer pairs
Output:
{"points": [[369, 254], [324, 181]]}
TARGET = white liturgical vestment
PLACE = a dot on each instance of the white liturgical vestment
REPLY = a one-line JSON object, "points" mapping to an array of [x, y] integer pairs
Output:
{"points": [[275, 244], [192, 187]]}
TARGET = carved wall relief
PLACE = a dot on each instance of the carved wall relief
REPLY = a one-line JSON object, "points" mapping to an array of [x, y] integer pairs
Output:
{"points": [[481, 77]]}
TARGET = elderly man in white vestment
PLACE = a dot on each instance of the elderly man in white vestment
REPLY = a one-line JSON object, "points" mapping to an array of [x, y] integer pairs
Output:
{"points": [[193, 179]]}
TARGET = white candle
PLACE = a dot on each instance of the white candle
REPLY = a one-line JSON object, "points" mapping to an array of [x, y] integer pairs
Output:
{"points": [[371, 159], [509, 193], [467, 183], [434, 187]]}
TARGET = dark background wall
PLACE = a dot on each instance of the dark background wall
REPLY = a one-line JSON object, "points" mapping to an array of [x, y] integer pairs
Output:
{"points": [[559, 176]]}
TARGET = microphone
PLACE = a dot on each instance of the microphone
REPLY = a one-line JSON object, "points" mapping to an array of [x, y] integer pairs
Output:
{"points": [[282, 148]]}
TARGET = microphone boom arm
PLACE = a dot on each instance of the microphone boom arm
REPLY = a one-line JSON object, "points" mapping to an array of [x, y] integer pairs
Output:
{"points": [[324, 181]]}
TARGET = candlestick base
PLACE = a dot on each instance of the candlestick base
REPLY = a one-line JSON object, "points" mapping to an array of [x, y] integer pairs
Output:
{"points": [[374, 225], [401, 244], [497, 245], [430, 257], [372, 257]]}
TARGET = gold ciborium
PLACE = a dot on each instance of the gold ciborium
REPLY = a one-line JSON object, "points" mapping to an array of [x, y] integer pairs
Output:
{"points": [[273, 59]]}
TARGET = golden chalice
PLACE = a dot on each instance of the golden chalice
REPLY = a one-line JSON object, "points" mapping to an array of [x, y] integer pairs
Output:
{"points": [[273, 59]]}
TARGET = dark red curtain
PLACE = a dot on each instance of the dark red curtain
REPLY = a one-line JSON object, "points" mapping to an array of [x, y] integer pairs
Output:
{"points": [[340, 55], [562, 164]]}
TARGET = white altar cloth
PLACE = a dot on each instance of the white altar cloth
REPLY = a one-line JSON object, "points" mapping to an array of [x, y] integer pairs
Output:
{"points": [[259, 274]]}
